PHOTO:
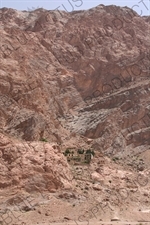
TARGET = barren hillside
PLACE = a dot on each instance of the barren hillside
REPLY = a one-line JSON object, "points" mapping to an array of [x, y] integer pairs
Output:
{"points": [[71, 82]]}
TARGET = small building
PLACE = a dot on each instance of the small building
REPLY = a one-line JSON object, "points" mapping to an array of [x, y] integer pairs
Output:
{"points": [[74, 155]]}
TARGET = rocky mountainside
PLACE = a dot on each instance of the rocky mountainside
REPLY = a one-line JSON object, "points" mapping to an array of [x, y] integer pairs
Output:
{"points": [[79, 79]]}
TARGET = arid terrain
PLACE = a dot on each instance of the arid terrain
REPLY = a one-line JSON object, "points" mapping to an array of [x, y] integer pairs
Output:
{"points": [[74, 117]]}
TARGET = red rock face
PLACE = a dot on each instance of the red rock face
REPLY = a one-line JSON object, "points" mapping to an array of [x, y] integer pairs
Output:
{"points": [[65, 76], [32, 166]]}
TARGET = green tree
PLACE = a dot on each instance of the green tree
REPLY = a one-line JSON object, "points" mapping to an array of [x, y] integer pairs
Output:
{"points": [[80, 151], [67, 151], [44, 140]]}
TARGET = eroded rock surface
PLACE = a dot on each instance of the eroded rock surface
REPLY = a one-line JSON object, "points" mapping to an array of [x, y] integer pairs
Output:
{"points": [[33, 166], [76, 79], [81, 65]]}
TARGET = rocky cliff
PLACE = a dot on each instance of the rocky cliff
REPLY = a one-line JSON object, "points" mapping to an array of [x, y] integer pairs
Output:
{"points": [[68, 78], [85, 72]]}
